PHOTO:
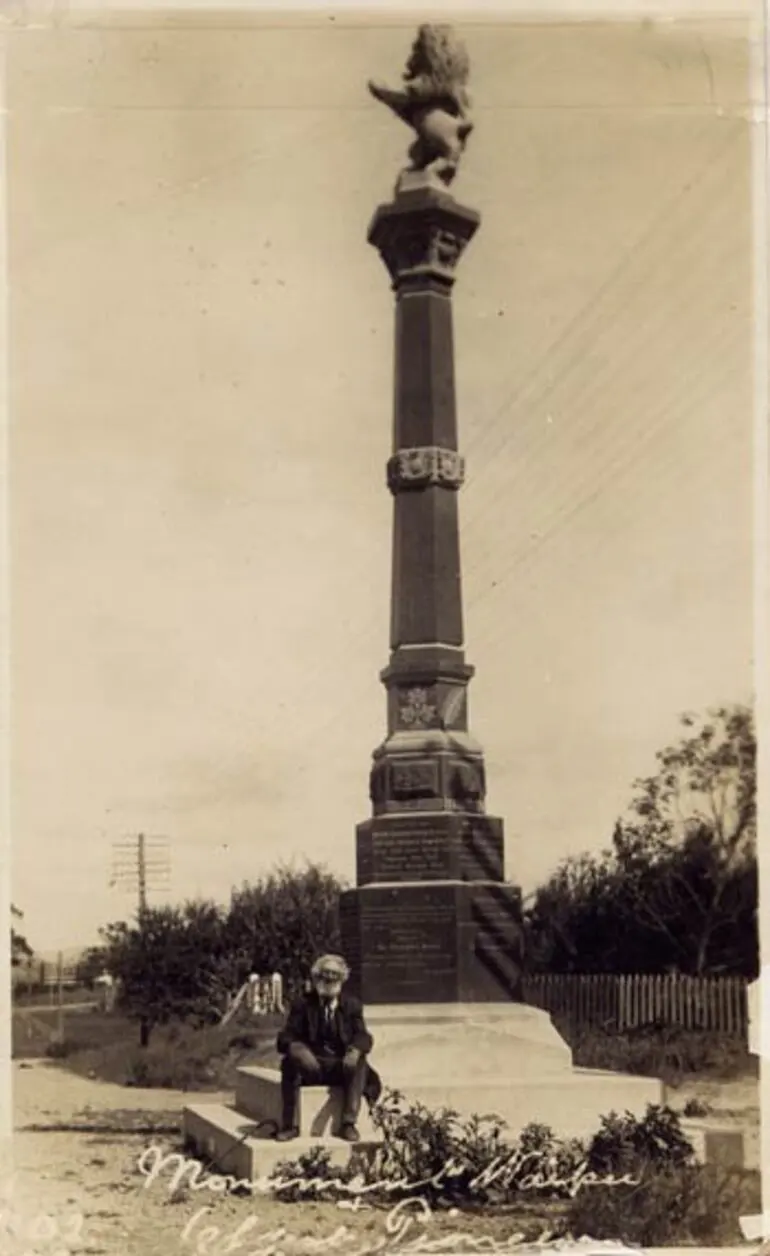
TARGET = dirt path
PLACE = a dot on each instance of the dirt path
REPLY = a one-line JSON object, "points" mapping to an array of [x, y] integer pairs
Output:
{"points": [[91, 1172]]}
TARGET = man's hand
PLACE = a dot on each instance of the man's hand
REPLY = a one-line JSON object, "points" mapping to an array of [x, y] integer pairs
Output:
{"points": [[351, 1058]]}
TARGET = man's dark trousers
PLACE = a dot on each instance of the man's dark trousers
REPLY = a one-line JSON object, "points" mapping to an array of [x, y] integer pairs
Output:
{"points": [[320, 1070]]}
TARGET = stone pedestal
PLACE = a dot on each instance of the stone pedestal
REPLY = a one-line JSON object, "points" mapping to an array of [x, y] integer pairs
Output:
{"points": [[433, 941]]}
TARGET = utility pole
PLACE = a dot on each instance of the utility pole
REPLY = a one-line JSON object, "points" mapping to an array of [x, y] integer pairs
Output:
{"points": [[142, 871], [141, 864], [60, 996]]}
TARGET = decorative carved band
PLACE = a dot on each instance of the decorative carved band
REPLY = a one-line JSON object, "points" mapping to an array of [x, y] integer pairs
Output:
{"points": [[428, 464], [427, 249]]}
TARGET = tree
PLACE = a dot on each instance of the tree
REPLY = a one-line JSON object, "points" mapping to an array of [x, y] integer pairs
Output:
{"points": [[677, 888], [570, 925], [283, 921], [687, 852], [182, 963], [165, 963], [21, 950]]}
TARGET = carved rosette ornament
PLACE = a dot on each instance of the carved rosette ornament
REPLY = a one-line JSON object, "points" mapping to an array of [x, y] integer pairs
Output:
{"points": [[423, 465], [415, 711]]}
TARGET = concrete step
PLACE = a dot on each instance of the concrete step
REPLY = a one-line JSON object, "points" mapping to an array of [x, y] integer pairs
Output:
{"points": [[238, 1147], [258, 1096]]}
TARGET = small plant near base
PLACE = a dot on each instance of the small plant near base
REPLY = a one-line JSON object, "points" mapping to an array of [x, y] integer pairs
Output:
{"points": [[313, 1176], [696, 1108], [624, 1145]]}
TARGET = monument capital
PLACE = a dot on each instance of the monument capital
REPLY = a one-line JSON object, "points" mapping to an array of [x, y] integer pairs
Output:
{"points": [[422, 234]]}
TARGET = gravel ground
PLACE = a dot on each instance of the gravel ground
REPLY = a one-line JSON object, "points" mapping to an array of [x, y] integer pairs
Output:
{"points": [[92, 1170]]}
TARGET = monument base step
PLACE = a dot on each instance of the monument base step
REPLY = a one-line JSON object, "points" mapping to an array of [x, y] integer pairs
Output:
{"points": [[572, 1104], [258, 1096], [490, 1042], [505, 1059], [237, 1147]]}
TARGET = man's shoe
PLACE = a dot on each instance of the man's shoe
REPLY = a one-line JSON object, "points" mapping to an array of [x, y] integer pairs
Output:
{"points": [[350, 1134], [285, 1136]]}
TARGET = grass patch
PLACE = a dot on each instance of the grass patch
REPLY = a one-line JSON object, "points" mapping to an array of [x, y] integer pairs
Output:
{"points": [[179, 1057], [33, 1034], [42, 998], [670, 1053], [113, 1125]]}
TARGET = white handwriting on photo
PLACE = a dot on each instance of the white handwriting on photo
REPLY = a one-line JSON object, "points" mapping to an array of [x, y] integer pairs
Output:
{"points": [[176, 1172]]}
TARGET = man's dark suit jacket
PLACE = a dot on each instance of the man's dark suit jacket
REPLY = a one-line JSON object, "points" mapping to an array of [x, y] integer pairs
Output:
{"points": [[304, 1024]]}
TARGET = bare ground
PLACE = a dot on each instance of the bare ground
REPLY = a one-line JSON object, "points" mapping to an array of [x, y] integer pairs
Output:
{"points": [[90, 1169]]}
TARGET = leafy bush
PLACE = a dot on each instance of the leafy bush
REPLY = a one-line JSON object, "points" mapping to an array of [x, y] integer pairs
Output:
{"points": [[624, 1145], [696, 1107], [423, 1146], [309, 1176], [470, 1163]]}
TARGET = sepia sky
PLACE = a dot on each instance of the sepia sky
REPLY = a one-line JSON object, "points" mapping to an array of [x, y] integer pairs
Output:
{"points": [[200, 392]]}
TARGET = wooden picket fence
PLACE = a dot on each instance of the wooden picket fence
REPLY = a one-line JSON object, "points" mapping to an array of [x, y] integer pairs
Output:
{"points": [[718, 1004]]}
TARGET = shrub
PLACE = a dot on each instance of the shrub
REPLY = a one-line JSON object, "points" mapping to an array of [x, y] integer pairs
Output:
{"points": [[624, 1145], [471, 1163], [312, 1174], [437, 1148], [696, 1107], [671, 1201], [697, 1204]]}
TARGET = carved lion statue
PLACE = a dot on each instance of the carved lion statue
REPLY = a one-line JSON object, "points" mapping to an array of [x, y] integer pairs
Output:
{"points": [[434, 100]]}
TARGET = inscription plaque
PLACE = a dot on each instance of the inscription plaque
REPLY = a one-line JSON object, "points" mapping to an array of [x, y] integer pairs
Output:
{"points": [[409, 943], [436, 943], [442, 847]]}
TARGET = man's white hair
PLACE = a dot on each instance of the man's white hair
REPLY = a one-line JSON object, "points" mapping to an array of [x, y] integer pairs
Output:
{"points": [[330, 961]]}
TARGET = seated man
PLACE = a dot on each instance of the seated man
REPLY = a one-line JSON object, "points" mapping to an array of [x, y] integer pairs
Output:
{"points": [[325, 1042]]}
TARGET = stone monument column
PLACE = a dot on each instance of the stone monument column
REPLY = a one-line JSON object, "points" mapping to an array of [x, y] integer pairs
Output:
{"points": [[432, 931], [431, 919]]}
